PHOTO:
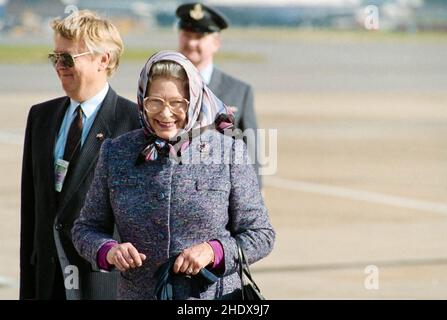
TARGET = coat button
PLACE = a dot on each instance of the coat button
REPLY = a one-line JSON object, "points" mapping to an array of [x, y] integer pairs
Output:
{"points": [[161, 196], [59, 226]]}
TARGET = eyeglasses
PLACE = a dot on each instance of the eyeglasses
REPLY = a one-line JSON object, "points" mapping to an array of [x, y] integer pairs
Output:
{"points": [[65, 58], [176, 105]]}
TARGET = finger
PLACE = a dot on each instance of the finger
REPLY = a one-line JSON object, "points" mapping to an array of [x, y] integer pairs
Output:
{"points": [[110, 257], [192, 268], [120, 259], [142, 256], [130, 261], [177, 264], [184, 268], [120, 267], [195, 270], [191, 271], [128, 257], [124, 263], [135, 256], [118, 264]]}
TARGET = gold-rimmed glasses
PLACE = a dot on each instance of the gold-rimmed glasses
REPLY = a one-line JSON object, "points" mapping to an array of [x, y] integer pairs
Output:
{"points": [[155, 104]]}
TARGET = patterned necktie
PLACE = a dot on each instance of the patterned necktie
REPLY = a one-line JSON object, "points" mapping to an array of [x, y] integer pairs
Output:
{"points": [[73, 144]]}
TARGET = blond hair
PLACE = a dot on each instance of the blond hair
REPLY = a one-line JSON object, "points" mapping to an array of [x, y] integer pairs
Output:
{"points": [[99, 35]]}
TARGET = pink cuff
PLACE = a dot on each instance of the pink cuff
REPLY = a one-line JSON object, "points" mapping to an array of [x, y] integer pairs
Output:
{"points": [[219, 259], [101, 257]]}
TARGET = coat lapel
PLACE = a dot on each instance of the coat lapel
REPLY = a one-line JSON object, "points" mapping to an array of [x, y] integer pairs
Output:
{"points": [[102, 126]]}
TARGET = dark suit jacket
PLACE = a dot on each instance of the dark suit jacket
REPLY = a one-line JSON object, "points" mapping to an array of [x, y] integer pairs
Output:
{"points": [[236, 93], [46, 248]]}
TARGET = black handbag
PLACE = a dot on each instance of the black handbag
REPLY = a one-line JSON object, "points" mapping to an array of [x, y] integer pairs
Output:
{"points": [[249, 289], [165, 277]]}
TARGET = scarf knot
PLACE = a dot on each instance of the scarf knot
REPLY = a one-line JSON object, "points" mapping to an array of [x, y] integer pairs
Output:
{"points": [[157, 148]]}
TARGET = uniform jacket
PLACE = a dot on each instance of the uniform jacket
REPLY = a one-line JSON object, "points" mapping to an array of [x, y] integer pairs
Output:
{"points": [[163, 207], [239, 94]]}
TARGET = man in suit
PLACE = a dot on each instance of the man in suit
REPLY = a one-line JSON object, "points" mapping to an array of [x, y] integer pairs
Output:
{"points": [[199, 40], [62, 142]]}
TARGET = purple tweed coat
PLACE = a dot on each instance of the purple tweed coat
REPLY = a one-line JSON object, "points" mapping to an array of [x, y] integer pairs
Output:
{"points": [[163, 207]]}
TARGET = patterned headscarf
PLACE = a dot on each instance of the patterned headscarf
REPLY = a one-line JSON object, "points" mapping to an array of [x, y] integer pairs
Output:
{"points": [[205, 110]]}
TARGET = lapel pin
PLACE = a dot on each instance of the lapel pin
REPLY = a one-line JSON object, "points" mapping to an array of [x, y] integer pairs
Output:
{"points": [[204, 148], [100, 136]]}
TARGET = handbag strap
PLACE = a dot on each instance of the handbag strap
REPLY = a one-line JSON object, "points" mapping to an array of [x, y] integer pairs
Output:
{"points": [[244, 269], [240, 265]]}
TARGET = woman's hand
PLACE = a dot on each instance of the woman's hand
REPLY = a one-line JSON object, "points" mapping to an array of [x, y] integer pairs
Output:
{"points": [[192, 259], [124, 256]]}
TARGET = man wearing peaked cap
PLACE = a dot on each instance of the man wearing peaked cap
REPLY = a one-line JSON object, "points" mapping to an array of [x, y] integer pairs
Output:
{"points": [[199, 41]]}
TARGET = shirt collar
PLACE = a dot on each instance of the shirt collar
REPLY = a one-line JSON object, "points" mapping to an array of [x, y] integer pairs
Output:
{"points": [[89, 106], [207, 72]]}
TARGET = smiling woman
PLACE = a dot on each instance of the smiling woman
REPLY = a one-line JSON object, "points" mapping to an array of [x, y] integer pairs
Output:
{"points": [[176, 218], [167, 97]]}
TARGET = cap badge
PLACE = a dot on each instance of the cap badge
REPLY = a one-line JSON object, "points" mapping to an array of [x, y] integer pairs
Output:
{"points": [[197, 12]]}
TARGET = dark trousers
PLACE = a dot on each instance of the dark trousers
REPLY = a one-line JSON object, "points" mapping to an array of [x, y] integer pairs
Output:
{"points": [[58, 290]]}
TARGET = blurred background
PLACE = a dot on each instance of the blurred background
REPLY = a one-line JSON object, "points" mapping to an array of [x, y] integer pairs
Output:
{"points": [[357, 91]]}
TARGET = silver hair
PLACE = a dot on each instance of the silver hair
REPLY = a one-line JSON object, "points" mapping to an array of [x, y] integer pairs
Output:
{"points": [[168, 69]]}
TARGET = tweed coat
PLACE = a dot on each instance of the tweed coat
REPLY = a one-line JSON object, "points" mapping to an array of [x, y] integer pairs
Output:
{"points": [[165, 206]]}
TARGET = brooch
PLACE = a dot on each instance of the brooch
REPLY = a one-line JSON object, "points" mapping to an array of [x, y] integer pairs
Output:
{"points": [[203, 147]]}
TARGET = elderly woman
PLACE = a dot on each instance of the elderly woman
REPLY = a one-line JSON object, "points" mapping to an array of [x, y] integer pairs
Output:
{"points": [[178, 189]]}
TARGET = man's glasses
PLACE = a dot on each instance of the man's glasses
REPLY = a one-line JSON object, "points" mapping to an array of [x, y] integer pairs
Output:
{"points": [[66, 59], [154, 105]]}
